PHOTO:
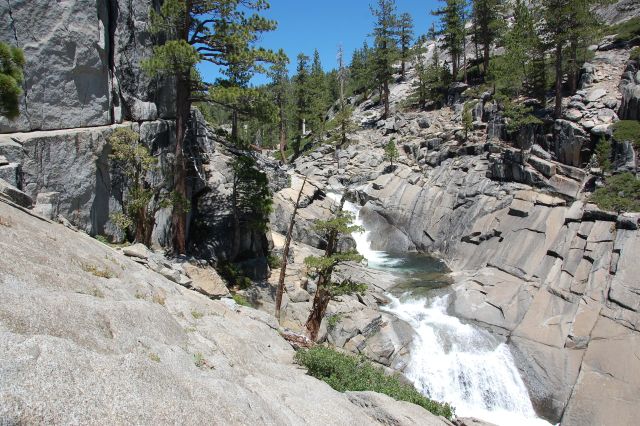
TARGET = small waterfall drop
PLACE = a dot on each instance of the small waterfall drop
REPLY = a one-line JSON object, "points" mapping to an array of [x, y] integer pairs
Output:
{"points": [[451, 361]]}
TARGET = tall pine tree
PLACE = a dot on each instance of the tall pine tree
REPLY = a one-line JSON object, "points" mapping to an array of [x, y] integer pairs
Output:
{"points": [[385, 54], [222, 32], [453, 32], [405, 33]]}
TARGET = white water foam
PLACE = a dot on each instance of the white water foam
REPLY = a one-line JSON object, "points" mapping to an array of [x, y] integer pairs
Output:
{"points": [[463, 365], [455, 362]]}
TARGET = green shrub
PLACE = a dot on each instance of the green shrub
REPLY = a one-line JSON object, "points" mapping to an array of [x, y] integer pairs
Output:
{"points": [[635, 54], [233, 274], [275, 262], [348, 373], [626, 30], [627, 130], [333, 321], [603, 154], [620, 193], [241, 300]]}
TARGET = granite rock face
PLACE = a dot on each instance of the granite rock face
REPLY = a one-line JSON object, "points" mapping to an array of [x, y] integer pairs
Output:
{"points": [[86, 334], [82, 63]]}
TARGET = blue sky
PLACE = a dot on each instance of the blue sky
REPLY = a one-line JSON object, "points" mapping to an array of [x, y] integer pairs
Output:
{"points": [[325, 24]]}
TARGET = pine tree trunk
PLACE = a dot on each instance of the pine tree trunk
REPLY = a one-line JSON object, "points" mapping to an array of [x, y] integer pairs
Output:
{"points": [[283, 135], [179, 219], [320, 303], [558, 107], [485, 58], [285, 253], [235, 244], [386, 99], [573, 67], [234, 126]]}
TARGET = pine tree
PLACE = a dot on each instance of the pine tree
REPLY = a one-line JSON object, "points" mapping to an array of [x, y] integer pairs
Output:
{"points": [[452, 29], [342, 122], [251, 200], [142, 198], [522, 68], [280, 88], [319, 99], [488, 23], [323, 266], [191, 31], [391, 152], [11, 77], [361, 70], [302, 101], [385, 53], [405, 29], [556, 25]]}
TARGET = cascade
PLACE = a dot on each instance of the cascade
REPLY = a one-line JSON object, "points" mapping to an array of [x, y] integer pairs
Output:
{"points": [[451, 361]]}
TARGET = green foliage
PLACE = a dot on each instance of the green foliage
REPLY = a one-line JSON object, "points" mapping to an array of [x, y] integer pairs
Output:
{"points": [[627, 30], [405, 36], [252, 198], [274, 262], [198, 360], [241, 300], [518, 116], [432, 80], [172, 58], [391, 151], [488, 24], [385, 53], [452, 21], [467, 118], [348, 373], [333, 321], [627, 130], [361, 71], [603, 154], [11, 78], [196, 314], [634, 55], [522, 69], [142, 197], [620, 193], [233, 275]]}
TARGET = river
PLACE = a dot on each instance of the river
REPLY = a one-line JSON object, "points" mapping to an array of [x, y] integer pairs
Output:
{"points": [[451, 361]]}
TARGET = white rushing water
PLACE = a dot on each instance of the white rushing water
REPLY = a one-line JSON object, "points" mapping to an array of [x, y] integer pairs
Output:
{"points": [[455, 362]]}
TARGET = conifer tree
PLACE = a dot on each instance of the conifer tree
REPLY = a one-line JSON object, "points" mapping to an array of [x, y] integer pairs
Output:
{"points": [[323, 267], [405, 28], [452, 29], [385, 34], [216, 31], [342, 122], [280, 87], [302, 101], [487, 24], [361, 70], [557, 16], [11, 77], [319, 101]]}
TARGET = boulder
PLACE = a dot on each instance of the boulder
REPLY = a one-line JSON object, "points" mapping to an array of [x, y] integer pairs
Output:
{"points": [[14, 195], [206, 280], [595, 94], [569, 140]]}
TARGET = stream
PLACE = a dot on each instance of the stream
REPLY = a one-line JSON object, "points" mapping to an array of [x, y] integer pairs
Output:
{"points": [[451, 361]]}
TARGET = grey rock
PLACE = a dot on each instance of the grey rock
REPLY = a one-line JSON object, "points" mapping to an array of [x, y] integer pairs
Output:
{"points": [[596, 94], [131, 349], [14, 195], [137, 250]]}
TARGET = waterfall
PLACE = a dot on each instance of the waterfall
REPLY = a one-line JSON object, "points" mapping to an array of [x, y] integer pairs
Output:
{"points": [[451, 361]]}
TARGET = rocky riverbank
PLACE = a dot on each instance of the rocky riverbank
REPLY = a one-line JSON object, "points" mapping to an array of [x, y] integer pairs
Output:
{"points": [[532, 259]]}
